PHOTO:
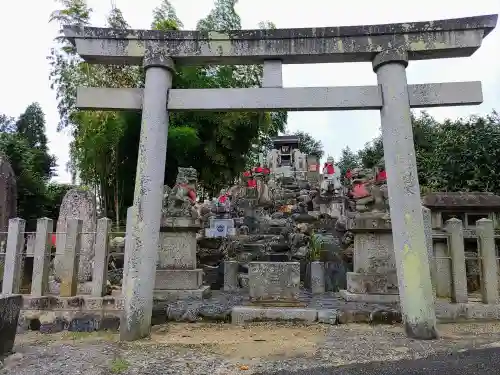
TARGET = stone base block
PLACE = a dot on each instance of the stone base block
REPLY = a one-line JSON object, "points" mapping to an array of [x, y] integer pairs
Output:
{"points": [[369, 283], [248, 314], [53, 321], [369, 298], [178, 294], [179, 279], [453, 312], [274, 281]]}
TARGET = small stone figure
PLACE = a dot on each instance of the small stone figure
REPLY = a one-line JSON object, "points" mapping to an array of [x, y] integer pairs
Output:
{"points": [[182, 198], [331, 178], [368, 189]]}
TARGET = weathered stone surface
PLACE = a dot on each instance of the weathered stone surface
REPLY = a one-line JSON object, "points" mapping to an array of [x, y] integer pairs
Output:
{"points": [[10, 306], [317, 277], [328, 316], [272, 281], [231, 276], [371, 283], [243, 314], [335, 44], [178, 244], [178, 279], [78, 203]]}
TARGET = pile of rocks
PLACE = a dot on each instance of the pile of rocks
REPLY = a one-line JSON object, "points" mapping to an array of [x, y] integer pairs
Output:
{"points": [[286, 226]]}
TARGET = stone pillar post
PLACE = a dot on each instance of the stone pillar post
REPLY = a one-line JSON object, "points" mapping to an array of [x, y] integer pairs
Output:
{"points": [[99, 277], [486, 251], [415, 288], [443, 269], [143, 250], [71, 259], [128, 247], [458, 271], [13, 257], [41, 261], [230, 275], [426, 215], [317, 277]]}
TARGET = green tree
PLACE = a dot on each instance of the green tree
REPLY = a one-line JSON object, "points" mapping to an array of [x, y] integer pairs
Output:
{"points": [[30, 184], [7, 124], [24, 143], [31, 126], [308, 145], [453, 155], [54, 194], [371, 154], [348, 160], [104, 150]]}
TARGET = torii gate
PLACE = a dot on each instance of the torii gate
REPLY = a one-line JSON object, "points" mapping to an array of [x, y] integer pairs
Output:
{"points": [[388, 47]]}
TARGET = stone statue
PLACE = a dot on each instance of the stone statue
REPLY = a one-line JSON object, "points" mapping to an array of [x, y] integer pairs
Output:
{"points": [[273, 160], [331, 178], [368, 189], [182, 198]]}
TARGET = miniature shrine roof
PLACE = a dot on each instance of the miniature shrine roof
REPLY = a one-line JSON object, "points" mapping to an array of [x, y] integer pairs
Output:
{"points": [[462, 200], [286, 139]]}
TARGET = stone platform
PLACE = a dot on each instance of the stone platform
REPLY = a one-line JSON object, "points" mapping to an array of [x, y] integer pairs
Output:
{"points": [[180, 294], [369, 297], [85, 313]]}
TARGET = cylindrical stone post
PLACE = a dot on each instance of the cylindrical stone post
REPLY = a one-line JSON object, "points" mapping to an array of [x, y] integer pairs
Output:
{"points": [[458, 271], [41, 260], [71, 259], [414, 279], [231, 275], [143, 249], [100, 273], [128, 247], [317, 277], [426, 215], [486, 251], [13, 257]]}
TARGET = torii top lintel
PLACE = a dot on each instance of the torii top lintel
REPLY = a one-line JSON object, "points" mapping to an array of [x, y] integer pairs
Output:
{"points": [[458, 37]]}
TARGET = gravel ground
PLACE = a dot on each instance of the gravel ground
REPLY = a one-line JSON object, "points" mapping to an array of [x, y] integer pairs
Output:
{"points": [[217, 349]]}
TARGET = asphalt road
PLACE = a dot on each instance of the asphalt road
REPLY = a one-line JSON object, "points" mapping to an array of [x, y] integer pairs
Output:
{"points": [[473, 362]]}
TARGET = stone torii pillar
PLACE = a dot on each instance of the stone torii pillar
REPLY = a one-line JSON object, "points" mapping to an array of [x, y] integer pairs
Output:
{"points": [[412, 263], [142, 249]]}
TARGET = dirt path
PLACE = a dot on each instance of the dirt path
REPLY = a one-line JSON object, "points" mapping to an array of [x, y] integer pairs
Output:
{"points": [[227, 349]]}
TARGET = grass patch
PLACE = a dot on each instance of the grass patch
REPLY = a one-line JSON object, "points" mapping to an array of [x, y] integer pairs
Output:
{"points": [[119, 365], [97, 335]]}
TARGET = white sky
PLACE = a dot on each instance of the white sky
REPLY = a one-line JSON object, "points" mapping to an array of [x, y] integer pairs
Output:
{"points": [[27, 38]]}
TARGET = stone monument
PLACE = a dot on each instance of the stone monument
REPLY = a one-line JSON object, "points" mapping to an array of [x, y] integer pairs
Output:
{"points": [[374, 279], [177, 275], [78, 203], [274, 283]]}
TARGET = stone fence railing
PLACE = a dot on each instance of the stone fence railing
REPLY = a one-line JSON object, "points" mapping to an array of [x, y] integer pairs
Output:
{"points": [[20, 245], [457, 272]]}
